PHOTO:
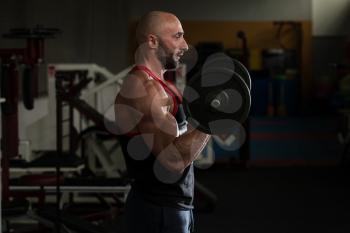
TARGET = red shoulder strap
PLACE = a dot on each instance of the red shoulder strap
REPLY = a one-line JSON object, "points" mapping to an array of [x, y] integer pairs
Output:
{"points": [[174, 96]]}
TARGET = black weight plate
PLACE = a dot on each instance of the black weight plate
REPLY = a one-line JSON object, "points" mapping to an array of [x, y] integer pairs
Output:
{"points": [[243, 72], [222, 60], [201, 89]]}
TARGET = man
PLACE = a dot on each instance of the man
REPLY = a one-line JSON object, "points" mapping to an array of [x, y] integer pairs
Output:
{"points": [[159, 147]]}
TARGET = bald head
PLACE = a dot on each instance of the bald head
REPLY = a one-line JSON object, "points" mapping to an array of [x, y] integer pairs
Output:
{"points": [[153, 22]]}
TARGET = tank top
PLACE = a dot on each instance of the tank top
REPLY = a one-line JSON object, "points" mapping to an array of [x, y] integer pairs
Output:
{"points": [[177, 193]]}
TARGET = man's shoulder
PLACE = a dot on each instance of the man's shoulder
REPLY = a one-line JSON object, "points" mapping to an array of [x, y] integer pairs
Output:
{"points": [[139, 84]]}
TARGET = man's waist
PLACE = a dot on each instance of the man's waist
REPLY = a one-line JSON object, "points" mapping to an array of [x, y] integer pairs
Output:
{"points": [[161, 198]]}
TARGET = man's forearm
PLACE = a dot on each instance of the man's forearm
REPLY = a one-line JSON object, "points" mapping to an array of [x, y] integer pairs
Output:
{"points": [[190, 144]]}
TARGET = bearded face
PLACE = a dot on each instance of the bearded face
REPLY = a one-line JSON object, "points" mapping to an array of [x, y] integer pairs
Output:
{"points": [[166, 56]]}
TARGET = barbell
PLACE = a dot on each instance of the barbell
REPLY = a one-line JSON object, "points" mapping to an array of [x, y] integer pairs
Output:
{"points": [[217, 98]]}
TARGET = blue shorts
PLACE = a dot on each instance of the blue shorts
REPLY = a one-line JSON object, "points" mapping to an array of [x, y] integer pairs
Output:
{"points": [[146, 217]]}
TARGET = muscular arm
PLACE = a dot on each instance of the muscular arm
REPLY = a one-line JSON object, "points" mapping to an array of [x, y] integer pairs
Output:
{"points": [[175, 153], [190, 145]]}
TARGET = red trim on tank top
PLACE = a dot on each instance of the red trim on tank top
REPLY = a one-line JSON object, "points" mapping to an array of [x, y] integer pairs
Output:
{"points": [[179, 97], [173, 95]]}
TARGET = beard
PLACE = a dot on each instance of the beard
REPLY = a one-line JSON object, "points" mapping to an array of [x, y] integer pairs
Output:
{"points": [[166, 57]]}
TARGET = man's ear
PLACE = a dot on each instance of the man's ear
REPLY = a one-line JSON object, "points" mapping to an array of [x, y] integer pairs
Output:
{"points": [[152, 41]]}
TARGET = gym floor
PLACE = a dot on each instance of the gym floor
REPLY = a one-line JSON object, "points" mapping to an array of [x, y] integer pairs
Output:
{"points": [[281, 200]]}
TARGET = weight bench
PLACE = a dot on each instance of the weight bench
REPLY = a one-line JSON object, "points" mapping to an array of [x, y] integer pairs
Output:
{"points": [[83, 186], [48, 161]]}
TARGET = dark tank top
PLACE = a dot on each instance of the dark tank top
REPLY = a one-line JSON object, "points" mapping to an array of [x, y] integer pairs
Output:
{"points": [[161, 187]]}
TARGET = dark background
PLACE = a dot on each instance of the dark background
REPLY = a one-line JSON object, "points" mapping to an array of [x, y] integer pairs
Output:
{"points": [[295, 177]]}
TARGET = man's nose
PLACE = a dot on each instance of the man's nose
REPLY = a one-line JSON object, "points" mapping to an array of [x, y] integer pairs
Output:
{"points": [[184, 45]]}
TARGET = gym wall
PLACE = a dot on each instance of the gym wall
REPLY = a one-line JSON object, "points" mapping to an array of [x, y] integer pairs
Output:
{"points": [[241, 10], [93, 31]]}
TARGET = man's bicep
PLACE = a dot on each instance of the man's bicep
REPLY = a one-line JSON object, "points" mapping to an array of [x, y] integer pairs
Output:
{"points": [[158, 123], [156, 117]]}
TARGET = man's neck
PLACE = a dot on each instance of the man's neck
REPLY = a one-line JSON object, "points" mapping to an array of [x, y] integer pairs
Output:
{"points": [[157, 69], [152, 63]]}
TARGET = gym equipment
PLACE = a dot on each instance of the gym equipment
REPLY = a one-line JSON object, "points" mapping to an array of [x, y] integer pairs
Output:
{"points": [[46, 219], [217, 97], [101, 150], [47, 161], [221, 60], [76, 185], [89, 96], [12, 210], [27, 91], [10, 61], [244, 152], [30, 57], [69, 86]]}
